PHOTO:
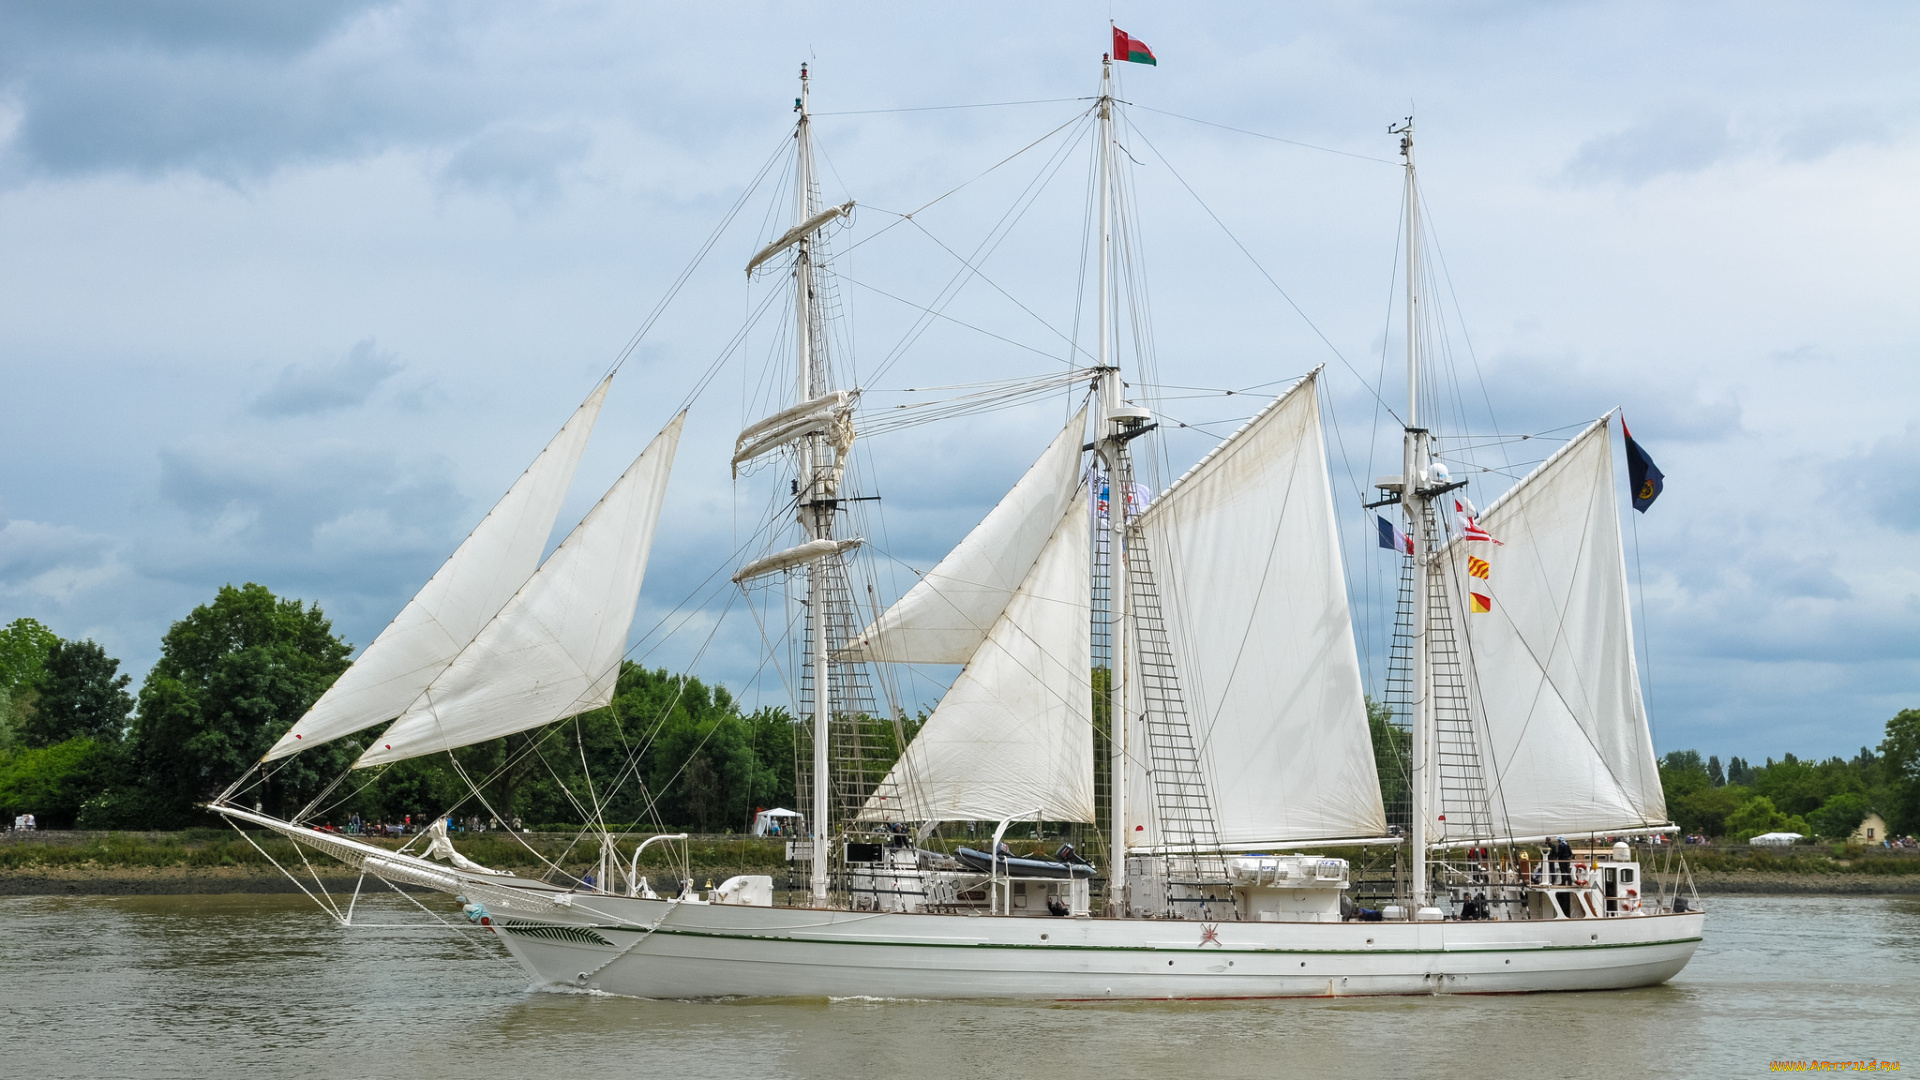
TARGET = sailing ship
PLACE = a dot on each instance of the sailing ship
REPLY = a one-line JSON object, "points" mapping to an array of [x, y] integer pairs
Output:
{"points": [[1176, 683]]}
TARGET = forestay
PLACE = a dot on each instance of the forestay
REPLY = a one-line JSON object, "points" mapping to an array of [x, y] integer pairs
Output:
{"points": [[946, 615], [466, 592], [1554, 684], [1015, 731], [554, 650], [1248, 565]]}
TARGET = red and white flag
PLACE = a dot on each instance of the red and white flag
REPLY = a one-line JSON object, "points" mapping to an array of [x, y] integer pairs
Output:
{"points": [[1470, 527]]}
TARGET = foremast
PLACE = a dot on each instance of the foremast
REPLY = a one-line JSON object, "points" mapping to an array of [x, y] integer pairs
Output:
{"points": [[814, 496]]}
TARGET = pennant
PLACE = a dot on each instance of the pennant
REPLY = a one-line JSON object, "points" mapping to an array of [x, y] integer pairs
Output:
{"points": [[1643, 476], [1391, 538], [1478, 567], [1131, 49], [1482, 603]]}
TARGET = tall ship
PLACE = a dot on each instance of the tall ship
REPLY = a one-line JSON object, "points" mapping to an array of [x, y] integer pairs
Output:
{"points": [[1164, 682]]}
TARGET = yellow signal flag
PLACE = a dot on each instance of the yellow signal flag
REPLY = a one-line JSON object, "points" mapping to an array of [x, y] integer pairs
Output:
{"points": [[1477, 567]]}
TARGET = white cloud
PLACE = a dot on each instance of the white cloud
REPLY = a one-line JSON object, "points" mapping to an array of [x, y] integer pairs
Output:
{"points": [[208, 201]]}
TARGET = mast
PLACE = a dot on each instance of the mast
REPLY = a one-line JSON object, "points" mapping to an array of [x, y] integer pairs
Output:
{"points": [[1416, 499], [1111, 448], [814, 505]]}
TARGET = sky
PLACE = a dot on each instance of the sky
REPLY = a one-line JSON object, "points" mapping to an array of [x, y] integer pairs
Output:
{"points": [[291, 293]]}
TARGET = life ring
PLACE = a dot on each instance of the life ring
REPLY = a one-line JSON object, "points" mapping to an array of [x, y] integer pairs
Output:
{"points": [[1579, 874], [1632, 902]]}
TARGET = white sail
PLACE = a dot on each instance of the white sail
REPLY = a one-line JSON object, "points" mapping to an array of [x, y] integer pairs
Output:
{"points": [[554, 650], [1564, 729], [1247, 562], [1015, 731], [946, 615], [467, 591]]}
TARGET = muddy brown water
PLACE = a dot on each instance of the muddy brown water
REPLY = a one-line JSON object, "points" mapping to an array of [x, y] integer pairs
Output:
{"points": [[264, 985]]}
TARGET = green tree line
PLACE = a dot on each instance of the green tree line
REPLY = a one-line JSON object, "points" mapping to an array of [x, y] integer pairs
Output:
{"points": [[77, 749], [1825, 798]]}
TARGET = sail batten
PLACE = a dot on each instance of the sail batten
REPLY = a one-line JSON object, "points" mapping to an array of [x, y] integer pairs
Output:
{"points": [[947, 614], [1248, 561], [554, 649], [1015, 731], [1553, 683], [481, 575]]}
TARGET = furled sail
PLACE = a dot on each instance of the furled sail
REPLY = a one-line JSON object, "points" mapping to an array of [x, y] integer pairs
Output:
{"points": [[797, 233], [946, 615], [461, 597], [830, 415], [808, 552], [1248, 566], [554, 650], [1564, 730], [1015, 731]]}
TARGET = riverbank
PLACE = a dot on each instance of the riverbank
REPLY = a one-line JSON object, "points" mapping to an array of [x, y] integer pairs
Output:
{"points": [[207, 861]]}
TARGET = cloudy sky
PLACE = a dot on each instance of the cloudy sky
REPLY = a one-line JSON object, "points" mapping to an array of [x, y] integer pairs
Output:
{"points": [[290, 293]]}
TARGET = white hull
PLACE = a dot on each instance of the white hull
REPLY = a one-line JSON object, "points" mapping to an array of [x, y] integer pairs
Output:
{"points": [[658, 949]]}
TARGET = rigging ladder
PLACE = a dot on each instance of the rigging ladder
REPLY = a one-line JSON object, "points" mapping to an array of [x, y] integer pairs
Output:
{"points": [[1183, 807]]}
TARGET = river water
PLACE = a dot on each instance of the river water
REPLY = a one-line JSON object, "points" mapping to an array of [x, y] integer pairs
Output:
{"points": [[250, 985]]}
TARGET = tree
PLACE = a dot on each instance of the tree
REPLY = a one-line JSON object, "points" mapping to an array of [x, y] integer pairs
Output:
{"points": [[1714, 772], [51, 782], [1392, 746], [232, 677], [1840, 815], [1800, 787], [1683, 773], [1706, 810], [1758, 816], [1739, 772], [24, 644], [1900, 771], [81, 695]]}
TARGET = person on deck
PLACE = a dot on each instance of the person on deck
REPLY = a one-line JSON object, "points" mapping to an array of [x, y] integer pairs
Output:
{"points": [[1562, 861]]}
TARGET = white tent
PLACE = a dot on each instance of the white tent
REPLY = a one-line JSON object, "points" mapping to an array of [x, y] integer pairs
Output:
{"points": [[1775, 839], [766, 821]]}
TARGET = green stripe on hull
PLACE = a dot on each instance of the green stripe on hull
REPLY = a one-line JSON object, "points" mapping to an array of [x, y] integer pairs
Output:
{"points": [[1150, 948]]}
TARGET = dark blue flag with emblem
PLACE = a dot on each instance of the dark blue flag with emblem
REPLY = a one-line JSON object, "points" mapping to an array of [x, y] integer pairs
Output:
{"points": [[1643, 475]]}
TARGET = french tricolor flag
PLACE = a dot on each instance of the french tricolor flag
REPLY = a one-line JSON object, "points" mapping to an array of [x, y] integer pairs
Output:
{"points": [[1391, 538]]}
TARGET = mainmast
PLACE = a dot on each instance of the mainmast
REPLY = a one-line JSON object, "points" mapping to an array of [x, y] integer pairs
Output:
{"points": [[1112, 449], [814, 502], [1416, 496]]}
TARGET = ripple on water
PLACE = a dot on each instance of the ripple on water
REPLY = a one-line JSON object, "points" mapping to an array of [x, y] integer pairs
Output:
{"points": [[160, 987]]}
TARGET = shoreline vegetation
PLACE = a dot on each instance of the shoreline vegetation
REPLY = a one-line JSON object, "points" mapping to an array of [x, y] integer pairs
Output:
{"points": [[78, 751], [211, 861]]}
